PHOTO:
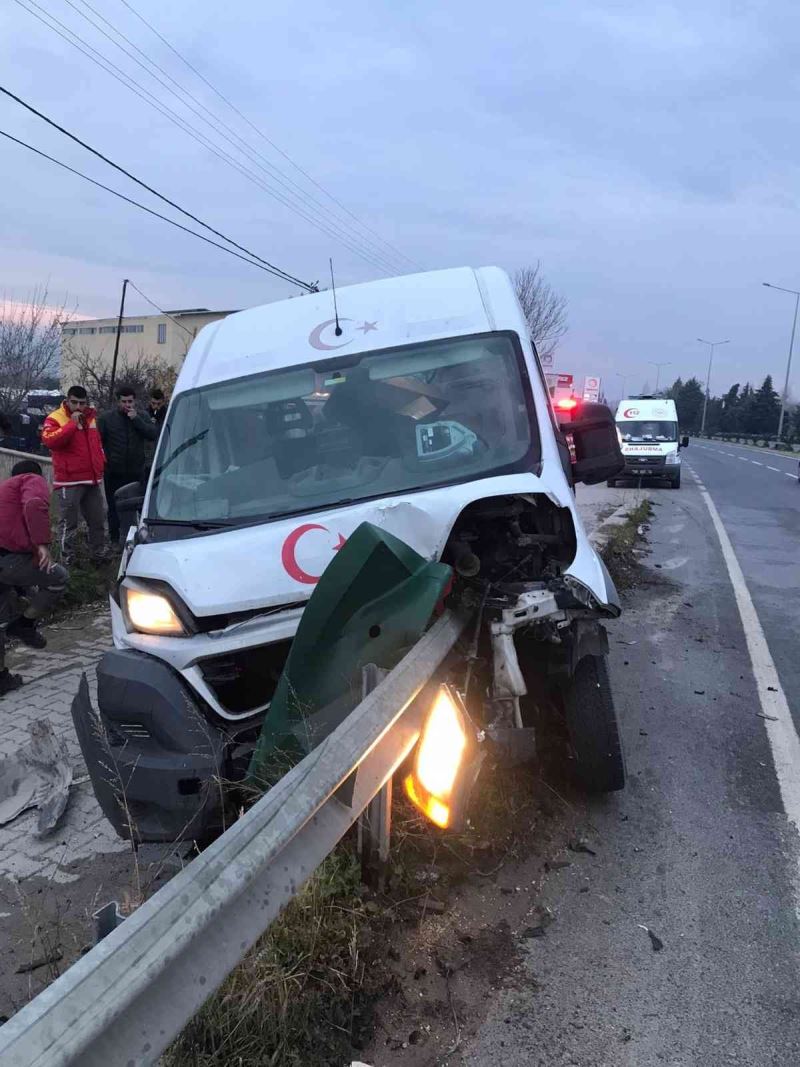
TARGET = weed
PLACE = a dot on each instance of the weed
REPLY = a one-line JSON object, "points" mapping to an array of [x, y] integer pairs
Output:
{"points": [[305, 992], [292, 1000], [617, 552]]}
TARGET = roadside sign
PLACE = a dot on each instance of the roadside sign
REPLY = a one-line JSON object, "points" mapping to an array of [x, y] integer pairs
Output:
{"points": [[546, 360], [591, 389]]}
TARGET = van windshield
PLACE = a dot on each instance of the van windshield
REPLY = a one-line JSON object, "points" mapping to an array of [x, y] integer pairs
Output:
{"points": [[646, 430], [321, 434]]}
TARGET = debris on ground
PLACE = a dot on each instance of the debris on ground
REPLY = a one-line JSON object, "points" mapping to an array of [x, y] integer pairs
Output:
{"points": [[37, 775], [579, 845], [763, 715], [655, 941], [41, 961]]}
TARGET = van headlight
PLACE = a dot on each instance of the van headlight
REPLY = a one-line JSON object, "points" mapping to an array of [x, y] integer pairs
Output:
{"points": [[446, 762], [148, 611], [672, 458]]}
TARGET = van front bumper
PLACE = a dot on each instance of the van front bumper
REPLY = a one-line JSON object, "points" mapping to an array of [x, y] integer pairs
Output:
{"points": [[156, 761]]}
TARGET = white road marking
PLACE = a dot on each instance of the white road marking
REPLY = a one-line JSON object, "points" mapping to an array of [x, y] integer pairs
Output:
{"points": [[781, 733], [744, 459], [757, 463], [788, 475], [731, 454], [775, 469]]}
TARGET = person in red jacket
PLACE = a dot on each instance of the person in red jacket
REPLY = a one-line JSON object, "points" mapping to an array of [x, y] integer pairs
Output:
{"points": [[25, 561], [71, 434]]}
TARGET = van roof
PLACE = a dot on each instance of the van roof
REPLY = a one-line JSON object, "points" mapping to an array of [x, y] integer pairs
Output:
{"points": [[645, 407], [379, 314]]}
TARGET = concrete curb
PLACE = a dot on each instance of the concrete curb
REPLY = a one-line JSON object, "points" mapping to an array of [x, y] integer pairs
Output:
{"points": [[600, 535]]}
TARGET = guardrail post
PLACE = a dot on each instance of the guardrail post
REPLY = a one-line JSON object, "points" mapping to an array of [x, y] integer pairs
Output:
{"points": [[375, 822]]}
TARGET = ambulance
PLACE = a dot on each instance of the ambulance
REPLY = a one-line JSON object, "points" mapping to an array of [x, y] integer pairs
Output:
{"points": [[416, 405], [648, 433]]}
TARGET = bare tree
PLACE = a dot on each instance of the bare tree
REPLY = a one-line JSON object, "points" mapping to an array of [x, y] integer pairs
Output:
{"points": [[80, 366], [544, 309], [30, 346]]}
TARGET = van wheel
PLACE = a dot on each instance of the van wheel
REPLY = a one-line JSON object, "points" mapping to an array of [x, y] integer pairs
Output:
{"points": [[593, 727], [676, 482], [611, 483]]}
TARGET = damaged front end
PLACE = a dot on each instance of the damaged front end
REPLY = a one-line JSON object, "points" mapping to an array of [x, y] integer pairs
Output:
{"points": [[515, 559]]}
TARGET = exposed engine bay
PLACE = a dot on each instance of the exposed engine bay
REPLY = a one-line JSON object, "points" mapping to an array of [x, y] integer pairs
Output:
{"points": [[510, 554]]}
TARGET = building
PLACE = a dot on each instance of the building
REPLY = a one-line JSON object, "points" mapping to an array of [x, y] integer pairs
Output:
{"points": [[166, 336]]}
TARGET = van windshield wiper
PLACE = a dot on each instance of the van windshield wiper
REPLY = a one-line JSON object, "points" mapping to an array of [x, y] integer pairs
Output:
{"points": [[176, 452], [302, 511], [193, 524]]}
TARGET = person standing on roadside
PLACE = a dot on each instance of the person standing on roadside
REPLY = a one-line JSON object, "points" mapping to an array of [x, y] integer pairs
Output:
{"points": [[157, 407], [157, 410], [25, 562], [124, 433], [71, 434]]}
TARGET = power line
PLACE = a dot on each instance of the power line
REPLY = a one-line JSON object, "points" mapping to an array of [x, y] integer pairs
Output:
{"points": [[276, 271], [139, 90], [307, 200], [152, 303], [150, 189], [262, 135]]}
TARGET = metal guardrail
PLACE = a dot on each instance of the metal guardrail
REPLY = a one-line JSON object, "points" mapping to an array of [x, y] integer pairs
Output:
{"points": [[9, 456], [132, 994]]}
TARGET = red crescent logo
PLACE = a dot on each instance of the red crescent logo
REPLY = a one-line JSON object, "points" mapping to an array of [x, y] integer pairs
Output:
{"points": [[630, 413], [315, 337], [289, 559]]}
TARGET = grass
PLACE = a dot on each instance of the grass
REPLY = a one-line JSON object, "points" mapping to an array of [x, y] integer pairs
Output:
{"points": [[617, 552], [304, 995]]}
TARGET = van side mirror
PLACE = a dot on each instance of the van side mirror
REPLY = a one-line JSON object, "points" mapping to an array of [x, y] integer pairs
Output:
{"points": [[684, 442], [598, 455]]}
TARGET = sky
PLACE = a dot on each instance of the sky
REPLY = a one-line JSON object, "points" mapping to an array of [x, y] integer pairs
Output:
{"points": [[647, 154]]}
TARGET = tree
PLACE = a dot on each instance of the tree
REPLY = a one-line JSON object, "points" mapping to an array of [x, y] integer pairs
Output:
{"points": [[730, 415], [689, 403], [30, 347], [141, 372], [545, 310], [674, 390], [765, 409]]}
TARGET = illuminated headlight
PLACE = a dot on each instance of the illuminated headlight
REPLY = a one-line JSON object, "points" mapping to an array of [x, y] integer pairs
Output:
{"points": [[150, 612], [672, 457], [444, 763]]}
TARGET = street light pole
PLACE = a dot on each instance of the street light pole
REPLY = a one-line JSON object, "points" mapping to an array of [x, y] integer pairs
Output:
{"points": [[711, 346], [785, 392], [658, 367]]}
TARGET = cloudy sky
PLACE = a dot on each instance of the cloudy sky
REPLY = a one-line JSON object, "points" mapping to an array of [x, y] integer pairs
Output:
{"points": [[646, 153]]}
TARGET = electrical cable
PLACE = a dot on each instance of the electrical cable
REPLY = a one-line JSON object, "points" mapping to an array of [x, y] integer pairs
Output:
{"points": [[144, 185], [152, 303], [164, 109], [223, 129], [139, 90], [263, 136], [276, 271]]}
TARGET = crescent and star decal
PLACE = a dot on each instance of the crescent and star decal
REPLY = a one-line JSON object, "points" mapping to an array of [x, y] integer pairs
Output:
{"points": [[315, 337], [289, 553]]}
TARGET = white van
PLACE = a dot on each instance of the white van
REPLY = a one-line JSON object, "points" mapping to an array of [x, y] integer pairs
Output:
{"points": [[648, 433], [423, 410]]}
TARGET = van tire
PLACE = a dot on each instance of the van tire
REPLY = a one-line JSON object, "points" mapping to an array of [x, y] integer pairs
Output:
{"points": [[676, 482], [612, 484], [593, 727]]}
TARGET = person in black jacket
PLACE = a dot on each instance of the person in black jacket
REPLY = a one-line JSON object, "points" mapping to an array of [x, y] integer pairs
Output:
{"points": [[124, 433]]}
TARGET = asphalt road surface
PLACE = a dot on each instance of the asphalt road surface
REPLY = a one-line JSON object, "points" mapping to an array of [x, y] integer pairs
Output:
{"points": [[677, 942]]}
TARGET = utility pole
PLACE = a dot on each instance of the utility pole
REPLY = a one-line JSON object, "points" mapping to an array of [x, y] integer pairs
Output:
{"points": [[711, 346], [785, 392], [116, 344]]}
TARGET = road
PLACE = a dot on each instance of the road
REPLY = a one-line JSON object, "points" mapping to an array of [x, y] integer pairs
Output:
{"points": [[698, 849]]}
